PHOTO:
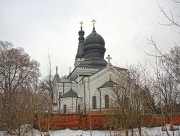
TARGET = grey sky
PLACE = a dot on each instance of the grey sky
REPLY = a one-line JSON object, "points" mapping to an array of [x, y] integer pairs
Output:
{"points": [[45, 27]]}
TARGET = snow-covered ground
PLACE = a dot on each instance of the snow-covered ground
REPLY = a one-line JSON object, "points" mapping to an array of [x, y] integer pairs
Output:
{"points": [[157, 131], [145, 132]]}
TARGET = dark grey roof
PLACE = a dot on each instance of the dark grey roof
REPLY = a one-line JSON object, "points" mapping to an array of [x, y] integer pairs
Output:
{"points": [[109, 83], [65, 80], [70, 93], [94, 38], [80, 51], [93, 62], [94, 49]]}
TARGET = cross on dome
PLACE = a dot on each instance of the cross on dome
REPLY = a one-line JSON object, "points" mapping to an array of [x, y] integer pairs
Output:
{"points": [[93, 21], [109, 65], [109, 59], [81, 23]]}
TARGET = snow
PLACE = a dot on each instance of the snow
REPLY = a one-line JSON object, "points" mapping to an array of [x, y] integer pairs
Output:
{"points": [[156, 131], [145, 132], [68, 132]]}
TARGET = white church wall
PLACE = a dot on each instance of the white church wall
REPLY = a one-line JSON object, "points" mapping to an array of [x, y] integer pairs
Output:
{"points": [[94, 83], [59, 88], [85, 93], [110, 93], [71, 104], [88, 87], [55, 93], [98, 80], [81, 88], [66, 89], [82, 71], [82, 91]]}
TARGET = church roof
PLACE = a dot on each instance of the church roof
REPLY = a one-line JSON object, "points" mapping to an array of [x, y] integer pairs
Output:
{"points": [[94, 49], [119, 69], [80, 52], [70, 93], [94, 38], [109, 83], [65, 80]]}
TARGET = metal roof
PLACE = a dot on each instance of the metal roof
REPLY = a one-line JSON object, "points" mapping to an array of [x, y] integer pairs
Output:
{"points": [[70, 93], [109, 83]]}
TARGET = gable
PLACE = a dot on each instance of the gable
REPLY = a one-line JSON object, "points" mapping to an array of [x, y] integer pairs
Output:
{"points": [[70, 93]]}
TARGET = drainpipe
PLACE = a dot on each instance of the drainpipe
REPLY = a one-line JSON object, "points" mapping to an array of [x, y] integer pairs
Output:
{"points": [[63, 88], [59, 101], [84, 96], [89, 92], [76, 104]]}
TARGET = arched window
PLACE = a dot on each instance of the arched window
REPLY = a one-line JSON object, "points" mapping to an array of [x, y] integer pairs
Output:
{"points": [[94, 102], [64, 108], [79, 108], [106, 101]]}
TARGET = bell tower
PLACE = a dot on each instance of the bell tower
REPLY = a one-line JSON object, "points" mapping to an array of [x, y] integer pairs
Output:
{"points": [[80, 52]]}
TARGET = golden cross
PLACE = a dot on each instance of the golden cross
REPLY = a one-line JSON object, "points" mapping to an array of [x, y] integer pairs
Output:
{"points": [[81, 23], [94, 21]]}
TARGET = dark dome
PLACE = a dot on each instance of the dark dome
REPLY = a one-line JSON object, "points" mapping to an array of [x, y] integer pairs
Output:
{"points": [[94, 49], [94, 38], [81, 32], [80, 52]]}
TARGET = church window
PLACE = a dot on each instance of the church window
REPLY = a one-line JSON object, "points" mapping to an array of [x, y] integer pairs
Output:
{"points": [[106, 101], [79, 108], [94, 102], [64, 108]]}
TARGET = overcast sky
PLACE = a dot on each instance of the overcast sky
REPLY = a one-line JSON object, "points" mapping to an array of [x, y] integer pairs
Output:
{"points": [[51, 27]]}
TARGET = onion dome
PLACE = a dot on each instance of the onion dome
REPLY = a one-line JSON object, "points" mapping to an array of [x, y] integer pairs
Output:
{"points": [[81, 34], [94, 49], [94, 38], [80, 53]]}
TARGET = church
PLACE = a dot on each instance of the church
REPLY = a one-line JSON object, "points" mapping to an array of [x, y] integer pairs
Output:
{"points": [[88, 87]]}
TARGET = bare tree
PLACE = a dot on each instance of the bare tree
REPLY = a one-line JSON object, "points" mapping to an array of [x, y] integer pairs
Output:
{"points": [[167, 71], [46, 84], [43, 111], [167, 83], [18, 74], [171, 18], [131, 100]]}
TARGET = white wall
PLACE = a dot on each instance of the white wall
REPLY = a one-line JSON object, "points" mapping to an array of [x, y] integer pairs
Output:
{"points": [[91, 85], [71, 104]]}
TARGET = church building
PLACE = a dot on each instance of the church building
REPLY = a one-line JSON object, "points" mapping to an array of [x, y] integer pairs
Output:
{"points": [[88, 87]]}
